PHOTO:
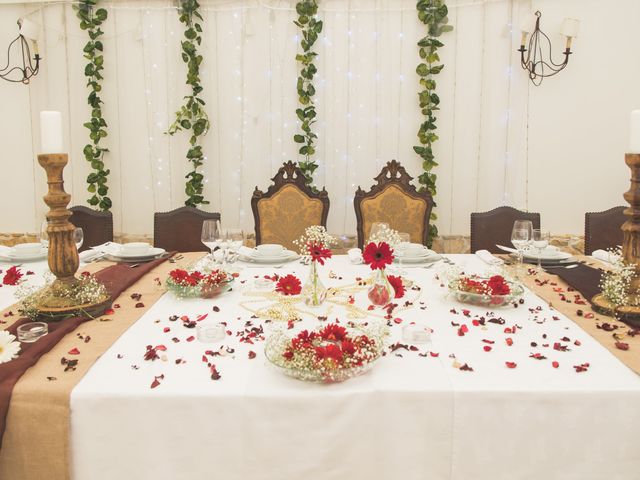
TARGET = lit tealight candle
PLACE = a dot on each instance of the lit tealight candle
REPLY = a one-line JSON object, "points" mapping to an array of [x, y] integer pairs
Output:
{"points": [[634, 132], [51, 132]]}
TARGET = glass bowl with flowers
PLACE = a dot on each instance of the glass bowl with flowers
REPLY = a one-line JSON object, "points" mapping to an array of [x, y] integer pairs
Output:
{"points": [[328, 354], [490, 291], [199, 284]]}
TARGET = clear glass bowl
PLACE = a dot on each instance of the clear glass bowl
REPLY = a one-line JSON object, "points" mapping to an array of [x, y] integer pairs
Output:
{"points": [[199, 291], [487, 300], [279, 340]]}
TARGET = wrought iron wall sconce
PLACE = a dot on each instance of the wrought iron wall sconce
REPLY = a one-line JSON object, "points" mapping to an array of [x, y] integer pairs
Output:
{"points": [[535, 62], [21, 73]]}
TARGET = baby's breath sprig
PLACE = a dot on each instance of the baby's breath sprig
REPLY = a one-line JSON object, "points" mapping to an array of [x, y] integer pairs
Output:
{"points": [[314, 234]]}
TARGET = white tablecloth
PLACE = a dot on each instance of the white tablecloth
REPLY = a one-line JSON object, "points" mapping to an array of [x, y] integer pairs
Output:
{"points": [[411, 417], [8, 292]]}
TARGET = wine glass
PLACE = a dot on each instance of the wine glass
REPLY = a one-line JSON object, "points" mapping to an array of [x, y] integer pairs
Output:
{"points": [[540, 240], [44, 235], [78, 237], [233, 240], [401, 248], [520, 237], [211, 234]]}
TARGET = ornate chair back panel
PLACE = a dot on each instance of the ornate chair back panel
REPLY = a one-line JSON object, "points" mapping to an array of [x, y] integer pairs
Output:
{"points": [[495, 226], [396, 208], [181, 229], [602, 229], [97, 227], [284, 216]]}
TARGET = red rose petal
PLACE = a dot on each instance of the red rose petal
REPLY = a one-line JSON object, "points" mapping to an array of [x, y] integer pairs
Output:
{"points": [[622, 346], [555, 364], [509, 341], [74, 351], [252, 355], [109, 311], [487, 348], [166, 329], [191, 338], [434, 354], [511, 364]]}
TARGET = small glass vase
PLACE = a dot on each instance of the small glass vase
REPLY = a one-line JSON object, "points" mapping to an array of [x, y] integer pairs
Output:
{"points": [[381, 292], [314, 291]]}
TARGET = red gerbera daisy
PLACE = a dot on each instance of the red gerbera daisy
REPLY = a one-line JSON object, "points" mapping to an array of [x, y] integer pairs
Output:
{"points": [[378, 255], [289, 285], [398, 286], [319, 253], [333, 333]]}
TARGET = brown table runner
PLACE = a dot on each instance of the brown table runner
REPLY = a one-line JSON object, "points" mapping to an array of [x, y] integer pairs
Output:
{"points": [[36, 438], [606, 330]]}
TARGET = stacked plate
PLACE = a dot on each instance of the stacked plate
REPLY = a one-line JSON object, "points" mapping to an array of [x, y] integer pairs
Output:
{"points": [[24, 252], [131, 252], [549, 256], [267, 256], [414, 253]]}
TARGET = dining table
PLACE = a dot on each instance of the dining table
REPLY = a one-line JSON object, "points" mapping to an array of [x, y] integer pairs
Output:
{"points": [[520, 391]]}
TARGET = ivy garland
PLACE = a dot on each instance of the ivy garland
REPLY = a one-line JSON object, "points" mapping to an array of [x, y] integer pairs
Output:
{"points": [[192, 115], [90, 21], [433, 13], [311, 28]]}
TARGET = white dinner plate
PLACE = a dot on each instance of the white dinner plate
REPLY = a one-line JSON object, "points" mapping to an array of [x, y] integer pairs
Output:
{"points": [[286, 256], [27, 257], [547, 255], [151, 254]]}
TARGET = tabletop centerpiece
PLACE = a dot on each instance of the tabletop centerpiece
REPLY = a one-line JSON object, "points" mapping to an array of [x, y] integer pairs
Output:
{"points": [[67, 295], [329, 354], [378, 256], [314, 245], [199, 284], [490, 291]]}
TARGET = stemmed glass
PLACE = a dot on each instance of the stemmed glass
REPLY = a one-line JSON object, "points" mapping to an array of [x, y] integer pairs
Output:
{"points": [[520, 238], [211, 234], [401, 249], [233, 240], [540, 240], [78, 237]]}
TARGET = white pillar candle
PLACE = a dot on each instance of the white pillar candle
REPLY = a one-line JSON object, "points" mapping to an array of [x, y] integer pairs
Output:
{"points": [[51, 132], [570, 27], [634, 132]]}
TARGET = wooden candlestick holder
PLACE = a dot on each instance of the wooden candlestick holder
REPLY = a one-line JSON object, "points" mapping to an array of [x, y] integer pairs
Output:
{"points": [[63, 254], [630, 249]]}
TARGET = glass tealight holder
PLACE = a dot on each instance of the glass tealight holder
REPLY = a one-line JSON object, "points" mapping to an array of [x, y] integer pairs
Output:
{"points": [[32, 331], [210, 332], [416, 334]]}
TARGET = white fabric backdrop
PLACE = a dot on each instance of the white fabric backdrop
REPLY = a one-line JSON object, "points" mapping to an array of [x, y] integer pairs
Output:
{"points": [[502, 140]]}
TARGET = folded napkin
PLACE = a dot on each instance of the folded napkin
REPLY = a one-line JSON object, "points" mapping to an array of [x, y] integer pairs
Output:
{"points": [[355, 256], [247, 252], [89, 255], [583, 278], [486, 257], [604, 256]]}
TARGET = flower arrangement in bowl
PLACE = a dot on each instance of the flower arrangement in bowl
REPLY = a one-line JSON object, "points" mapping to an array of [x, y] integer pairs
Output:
{"points": [[329, 354], [197, 284], [494, 291]]}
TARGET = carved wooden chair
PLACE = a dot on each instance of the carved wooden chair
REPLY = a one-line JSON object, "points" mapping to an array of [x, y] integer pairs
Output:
{"points": [[181, 229], [287, 208], [602, 229], [495, 226], [394, 200], [97, 227]]}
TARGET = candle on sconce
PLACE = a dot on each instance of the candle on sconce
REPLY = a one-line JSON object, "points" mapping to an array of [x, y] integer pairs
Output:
{"points": [[51, 132], [570, 28], [634, 132], [527, 26]]}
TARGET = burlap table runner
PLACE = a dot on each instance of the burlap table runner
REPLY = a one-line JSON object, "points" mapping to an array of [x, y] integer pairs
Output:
{"points": [[36, 438], [557, 293]]}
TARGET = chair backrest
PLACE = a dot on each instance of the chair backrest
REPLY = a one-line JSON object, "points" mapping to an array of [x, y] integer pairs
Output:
{"points": [[495, 226], [181, 229], [97, 227], [602, 229], [287, 208], [393, 200]]}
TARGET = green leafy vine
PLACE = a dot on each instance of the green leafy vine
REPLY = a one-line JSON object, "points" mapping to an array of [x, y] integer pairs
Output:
{"points": [[192, 115], [91, 20], [310, 28], [433, 13]]}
